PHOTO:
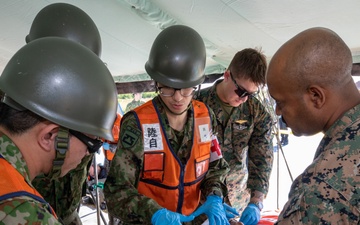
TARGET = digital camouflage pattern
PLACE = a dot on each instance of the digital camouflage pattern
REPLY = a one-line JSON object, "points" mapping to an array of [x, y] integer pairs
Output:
{"points": [[246, 143], [122, 197], [328, 191], [21, 209], [64, 194], [133, 104]]}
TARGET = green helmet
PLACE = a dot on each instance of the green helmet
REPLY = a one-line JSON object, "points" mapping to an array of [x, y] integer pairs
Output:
{"points": [[177, 57], [67, 21], [63, 82]]}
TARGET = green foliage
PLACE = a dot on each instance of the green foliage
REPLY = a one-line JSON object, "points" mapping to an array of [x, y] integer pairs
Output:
{"points": [[125, 96], [149, 94], [144, 95]]}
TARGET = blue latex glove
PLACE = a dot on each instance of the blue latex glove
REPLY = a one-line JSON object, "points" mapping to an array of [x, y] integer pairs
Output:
{"points": [[230, 211], [106, 146], [214, 210], [251, 215], [165, 217]]}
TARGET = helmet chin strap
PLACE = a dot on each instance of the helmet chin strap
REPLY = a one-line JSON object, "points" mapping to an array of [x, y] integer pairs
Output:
{"points": [[61, 146], [174, 113]]}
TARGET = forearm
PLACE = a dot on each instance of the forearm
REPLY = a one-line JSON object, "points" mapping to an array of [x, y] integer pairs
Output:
{"points": [[215, 178], [122, 197], [261, 158], [128, 205], [259, 172]]}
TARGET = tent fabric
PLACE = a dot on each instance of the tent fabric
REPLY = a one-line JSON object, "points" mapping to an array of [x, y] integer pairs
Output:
{"points": [[129, 27]]}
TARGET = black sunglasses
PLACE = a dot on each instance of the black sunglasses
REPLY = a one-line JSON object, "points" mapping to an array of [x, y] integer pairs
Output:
{"points": [[93, 145], [241, 92]]}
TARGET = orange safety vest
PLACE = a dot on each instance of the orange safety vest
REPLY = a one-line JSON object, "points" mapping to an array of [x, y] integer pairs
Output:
{"points": [[164, 178], [115, 132], [116, 128], [109, 155], [13, 184]]}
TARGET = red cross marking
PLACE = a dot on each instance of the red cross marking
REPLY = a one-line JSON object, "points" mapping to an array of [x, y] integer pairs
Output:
{"points": [[215, 147]]}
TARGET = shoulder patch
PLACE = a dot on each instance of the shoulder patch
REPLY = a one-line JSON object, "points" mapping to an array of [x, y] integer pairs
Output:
{"points": [[129, 137]]}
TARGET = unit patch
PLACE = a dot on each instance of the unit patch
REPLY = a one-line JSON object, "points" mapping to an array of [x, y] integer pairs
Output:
{"points": [[130, 137]]}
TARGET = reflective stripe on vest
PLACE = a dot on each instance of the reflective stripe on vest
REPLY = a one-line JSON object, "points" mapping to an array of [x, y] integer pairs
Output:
{"points": [[164, 178], [13, 184]]}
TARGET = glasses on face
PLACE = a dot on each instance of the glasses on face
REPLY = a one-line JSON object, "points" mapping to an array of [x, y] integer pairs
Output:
{"points": [[92, 144], [169, 92], [240, 91]]}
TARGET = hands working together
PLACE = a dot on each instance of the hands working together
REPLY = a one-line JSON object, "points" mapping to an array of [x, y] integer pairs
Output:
{"points": [[217, 212], [214, 210], [167, 217]]}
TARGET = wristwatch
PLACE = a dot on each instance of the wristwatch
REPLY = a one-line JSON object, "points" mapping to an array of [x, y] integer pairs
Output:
{"points": [[258, 204]]}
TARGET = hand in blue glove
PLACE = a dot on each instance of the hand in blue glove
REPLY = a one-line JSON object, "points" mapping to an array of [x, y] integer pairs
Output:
{"points": [[165, 217], [214, 210], [251, 215], [230, 211]]}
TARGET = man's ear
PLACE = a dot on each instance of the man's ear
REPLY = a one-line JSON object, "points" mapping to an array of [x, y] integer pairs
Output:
{"points": [[317, 96], [227, 74], [46, 136]]}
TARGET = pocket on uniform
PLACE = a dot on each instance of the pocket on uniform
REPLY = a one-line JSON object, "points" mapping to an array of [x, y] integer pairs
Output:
{"points": [[154, 166], [202, 165]]}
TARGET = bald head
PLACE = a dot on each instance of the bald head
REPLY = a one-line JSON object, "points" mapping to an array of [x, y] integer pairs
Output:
{"points": [[310, 79], [314, 56]]}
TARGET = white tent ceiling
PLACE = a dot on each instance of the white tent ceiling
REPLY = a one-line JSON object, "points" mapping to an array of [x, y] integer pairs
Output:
{"points": [[128, 27]]}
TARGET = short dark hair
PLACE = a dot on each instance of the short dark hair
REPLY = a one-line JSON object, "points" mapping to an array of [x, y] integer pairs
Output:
{"points": [[250, 64], [17, 122]]}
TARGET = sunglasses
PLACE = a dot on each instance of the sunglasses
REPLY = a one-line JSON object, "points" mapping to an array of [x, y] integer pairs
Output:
{"points": [[92, 144], [241, 92]]}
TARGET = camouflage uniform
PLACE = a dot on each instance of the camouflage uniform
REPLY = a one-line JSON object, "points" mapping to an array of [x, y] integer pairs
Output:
{"points": [[246, 142], [64, 193], [122, 197], [328, 191], [21, 209], [132, 105]]}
